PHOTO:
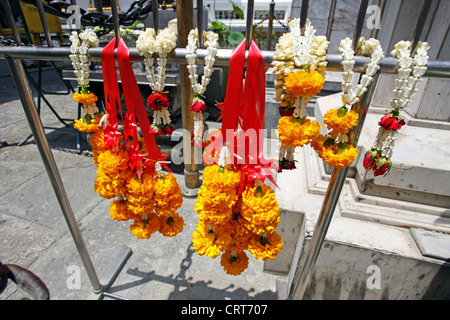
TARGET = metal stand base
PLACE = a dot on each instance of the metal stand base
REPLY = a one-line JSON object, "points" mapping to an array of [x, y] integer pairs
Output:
{"points": [[110, 276]]}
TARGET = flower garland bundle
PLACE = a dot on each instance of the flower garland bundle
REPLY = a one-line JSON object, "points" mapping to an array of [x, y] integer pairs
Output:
{"points": [[128, 172], [211, 41], [237, 212], [299, 67], [150, 45], [80, 62], [378, 158], [335, 147]]}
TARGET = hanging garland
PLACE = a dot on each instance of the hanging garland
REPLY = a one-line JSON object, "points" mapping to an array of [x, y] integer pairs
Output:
{"points": [[80, 62], [211, 41], [378, 158], [150, 45], [299, 67], [129, 169], [334, 147], [237, 212]]}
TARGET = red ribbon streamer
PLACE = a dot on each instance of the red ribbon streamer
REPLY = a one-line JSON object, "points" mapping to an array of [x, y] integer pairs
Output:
{"points": [[245, 105], [134, 102]]}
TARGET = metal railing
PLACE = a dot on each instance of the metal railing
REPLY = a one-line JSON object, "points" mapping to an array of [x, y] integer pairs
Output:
{"points": [[14, 55]]}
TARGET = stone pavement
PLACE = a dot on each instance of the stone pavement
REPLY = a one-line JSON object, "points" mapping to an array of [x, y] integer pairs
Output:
{"points": [[34, 234]]}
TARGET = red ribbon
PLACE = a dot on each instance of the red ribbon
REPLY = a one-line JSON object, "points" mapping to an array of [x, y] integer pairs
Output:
{"points": [[134, 102], [245, 105]]}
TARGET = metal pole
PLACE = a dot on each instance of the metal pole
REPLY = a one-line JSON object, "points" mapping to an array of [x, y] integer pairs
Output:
{"points": [[435, 68], [48, 37], [270, 28], [249, 28], [375, 31], [200, 22], [331, 18], [330, 201], [26, 97], [420, 23], [12, 22], [337, 181], [359, 22], [115, 17]]}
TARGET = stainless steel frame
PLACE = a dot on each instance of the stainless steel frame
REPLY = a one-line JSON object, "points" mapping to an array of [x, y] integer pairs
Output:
{"points": [[13, 55]]}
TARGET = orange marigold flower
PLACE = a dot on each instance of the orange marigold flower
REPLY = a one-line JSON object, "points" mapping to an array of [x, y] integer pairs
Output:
{"points": [[303, 83], [265, 247], [223, 179], [97, 144], [340, 122], [118, 210], [85, 98], [338, 158], [234, 263], [167, 194], [145, 226], [215, 206], [295, 132], [139, 194], [261, 212], [171, 224], [239, 234]]}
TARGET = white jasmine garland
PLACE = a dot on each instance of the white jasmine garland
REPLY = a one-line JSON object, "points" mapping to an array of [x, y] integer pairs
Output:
{"points": [[370, 48], [410, 70], [149, 44], [211, 42], [79, 53]]}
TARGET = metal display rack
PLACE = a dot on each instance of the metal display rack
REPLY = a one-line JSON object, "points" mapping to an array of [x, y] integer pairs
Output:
{"points": [[14, 55]]}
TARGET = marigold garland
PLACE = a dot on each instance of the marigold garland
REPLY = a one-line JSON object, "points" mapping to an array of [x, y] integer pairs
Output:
{"points": [[230, 215], [136, 184], [299, 68]]}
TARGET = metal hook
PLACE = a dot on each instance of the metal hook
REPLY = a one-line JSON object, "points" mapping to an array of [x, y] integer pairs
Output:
{"points": [[248, 35], [115, 16], [200, 22], [303, 15], [155, 6]]}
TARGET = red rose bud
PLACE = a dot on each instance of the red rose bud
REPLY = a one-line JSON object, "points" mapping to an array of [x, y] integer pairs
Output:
{"points": [[286, 111], [391, 122], [157, 101], [383, 166], [154, 130], [370, 159], [198, 105], [169, 129]]}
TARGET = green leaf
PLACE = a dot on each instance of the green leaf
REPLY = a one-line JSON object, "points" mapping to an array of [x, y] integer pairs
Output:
{"points": [[235, 38], [237, 10], [219, 26]]}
